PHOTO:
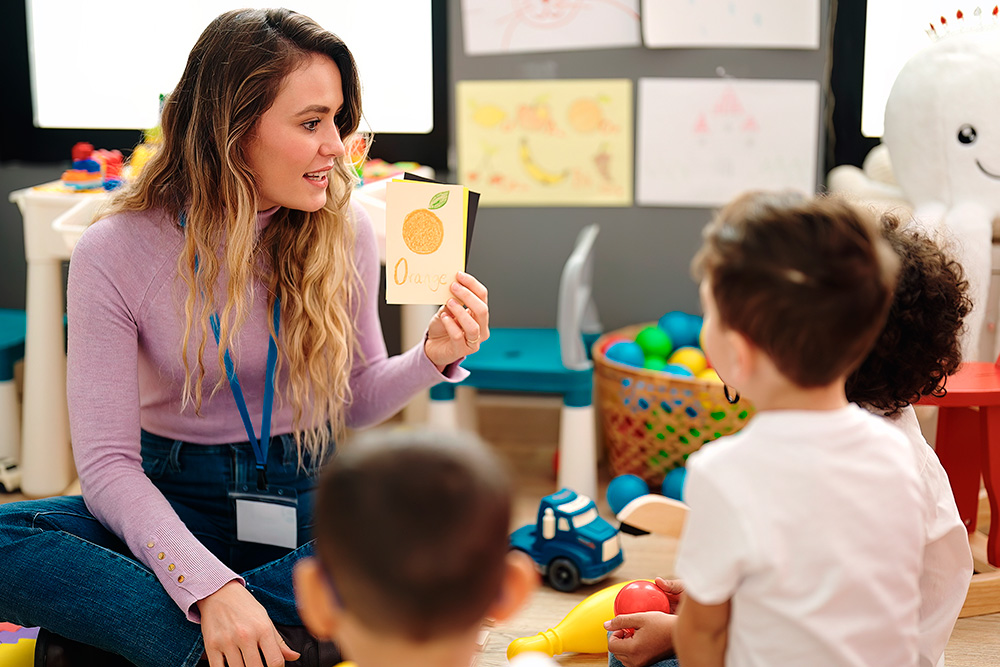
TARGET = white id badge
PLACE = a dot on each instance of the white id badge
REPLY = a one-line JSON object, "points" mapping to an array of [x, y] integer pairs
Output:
{"points": [[266, 519]]}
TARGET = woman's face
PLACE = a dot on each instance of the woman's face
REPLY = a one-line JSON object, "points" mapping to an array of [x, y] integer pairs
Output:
{"points": [[297, 140]]}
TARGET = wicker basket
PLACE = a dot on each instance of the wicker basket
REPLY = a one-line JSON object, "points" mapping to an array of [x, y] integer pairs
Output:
{"points": [[652, 421]]}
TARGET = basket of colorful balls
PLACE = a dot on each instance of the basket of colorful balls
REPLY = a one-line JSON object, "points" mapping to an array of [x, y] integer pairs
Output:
{"points": [[658, 397]]}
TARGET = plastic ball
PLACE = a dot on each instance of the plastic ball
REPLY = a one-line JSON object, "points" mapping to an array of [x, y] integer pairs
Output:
{"points": [[682, 328], [639, 596], [626, 352], [655, 342], [655, 363], [710, 375], [611, 340], [623, 489], [673, 484], [695, 325], [690, 357], [678, 371]]}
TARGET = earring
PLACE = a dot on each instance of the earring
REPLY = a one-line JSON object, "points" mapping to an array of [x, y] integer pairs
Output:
{"points": [[733, 400]]}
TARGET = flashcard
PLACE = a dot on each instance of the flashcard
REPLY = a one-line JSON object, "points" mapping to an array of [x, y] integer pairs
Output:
{"points": [[426, 235]]}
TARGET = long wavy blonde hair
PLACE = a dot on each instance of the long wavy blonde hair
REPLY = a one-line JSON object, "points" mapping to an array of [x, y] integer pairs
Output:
{"points": [[232, 77]]}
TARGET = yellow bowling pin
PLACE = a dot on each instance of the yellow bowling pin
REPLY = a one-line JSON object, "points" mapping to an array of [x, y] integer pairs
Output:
{"points": [[582, 631]]}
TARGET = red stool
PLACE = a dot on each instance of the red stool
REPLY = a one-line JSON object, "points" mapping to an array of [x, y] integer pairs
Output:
{"points": [[968, 445]]}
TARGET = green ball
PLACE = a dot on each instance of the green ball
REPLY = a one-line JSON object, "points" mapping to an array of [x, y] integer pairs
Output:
{"points": [[655, 363], [655, 342]]}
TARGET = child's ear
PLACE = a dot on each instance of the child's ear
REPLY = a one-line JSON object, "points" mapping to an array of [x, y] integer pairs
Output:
{"points": [[317, 606], [520, 580], [743, 358]]}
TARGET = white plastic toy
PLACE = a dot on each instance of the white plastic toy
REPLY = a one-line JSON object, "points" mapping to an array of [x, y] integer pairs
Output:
{"points": [[942, 132]]}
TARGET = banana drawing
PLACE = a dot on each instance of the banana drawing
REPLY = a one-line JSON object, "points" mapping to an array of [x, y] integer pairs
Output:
{"points": [[536, 172]]}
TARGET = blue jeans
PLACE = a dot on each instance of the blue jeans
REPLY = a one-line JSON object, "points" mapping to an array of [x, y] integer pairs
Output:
{"points": [[669, 662], [62, 570]]}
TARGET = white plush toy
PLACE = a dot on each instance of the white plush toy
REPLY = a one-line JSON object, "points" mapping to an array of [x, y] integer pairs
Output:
{"points": [[942, 132]]}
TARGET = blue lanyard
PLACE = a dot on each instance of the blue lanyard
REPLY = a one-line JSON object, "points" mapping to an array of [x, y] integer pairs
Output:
{"points": [[260, 446]]}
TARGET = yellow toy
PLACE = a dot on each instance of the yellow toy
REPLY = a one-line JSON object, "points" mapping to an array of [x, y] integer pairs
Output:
{"points": [[582, 631], [20, 654]]}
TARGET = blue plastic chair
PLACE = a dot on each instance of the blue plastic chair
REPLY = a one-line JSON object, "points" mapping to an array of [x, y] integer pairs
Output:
{"points": [[546, 361], [13, 325]]}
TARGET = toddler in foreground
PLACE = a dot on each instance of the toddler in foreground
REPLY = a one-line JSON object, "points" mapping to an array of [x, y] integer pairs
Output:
{"points": [[412, 550]]}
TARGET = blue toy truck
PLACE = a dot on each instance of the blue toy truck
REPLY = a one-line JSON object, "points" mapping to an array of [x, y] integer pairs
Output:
{"points": [[570, 543]]}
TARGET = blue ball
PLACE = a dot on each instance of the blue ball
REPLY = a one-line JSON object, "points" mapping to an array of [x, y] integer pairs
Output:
{"points": [[673, 484], [694, 330], [677, 370], [623, 489], [682, 328], [626, 352]]}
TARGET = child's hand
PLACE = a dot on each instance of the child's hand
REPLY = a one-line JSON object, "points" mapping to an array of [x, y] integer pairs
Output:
{"points": [[674, 588], [653, 639]]}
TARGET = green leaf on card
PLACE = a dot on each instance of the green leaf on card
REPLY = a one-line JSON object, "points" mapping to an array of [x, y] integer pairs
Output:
{"points": [[438, 200]]}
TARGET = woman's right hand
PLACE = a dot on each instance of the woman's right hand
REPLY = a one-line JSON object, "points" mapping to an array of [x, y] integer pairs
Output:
{"points": [[237, 630]]}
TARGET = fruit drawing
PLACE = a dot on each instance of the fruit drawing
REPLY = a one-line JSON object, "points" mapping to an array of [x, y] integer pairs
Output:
{"points": [[536, 172], [536, 117], [602, 160], [423, 230], [487, 115]]}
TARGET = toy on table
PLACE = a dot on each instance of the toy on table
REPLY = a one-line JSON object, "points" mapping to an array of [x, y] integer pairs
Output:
{"points": [[641, 596], [93, 170], [570, 543], [581, 631]]}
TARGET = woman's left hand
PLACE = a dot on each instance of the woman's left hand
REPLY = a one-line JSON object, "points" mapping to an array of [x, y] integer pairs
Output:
{"points": [[461, 325]]}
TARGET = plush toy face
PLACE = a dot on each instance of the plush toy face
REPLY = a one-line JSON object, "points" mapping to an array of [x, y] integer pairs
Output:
{"points": [[942, 122]]}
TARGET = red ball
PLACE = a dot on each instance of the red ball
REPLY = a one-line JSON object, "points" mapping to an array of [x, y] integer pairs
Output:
{"points": [[640, 596]]}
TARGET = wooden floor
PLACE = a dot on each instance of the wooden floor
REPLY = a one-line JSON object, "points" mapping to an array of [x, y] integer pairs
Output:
{"points": [[525, 433]]}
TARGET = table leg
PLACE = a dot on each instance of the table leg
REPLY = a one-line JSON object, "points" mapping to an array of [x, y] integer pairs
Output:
{"points": [[991, 477], [46, 460], [958, 430]]}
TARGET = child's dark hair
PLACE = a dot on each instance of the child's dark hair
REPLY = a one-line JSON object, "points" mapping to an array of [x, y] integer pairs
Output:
{"points": [[412, 528], [920, 343], [807, 280]]}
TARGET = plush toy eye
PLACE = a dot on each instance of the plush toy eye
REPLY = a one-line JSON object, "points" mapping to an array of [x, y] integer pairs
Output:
{"points": [[966, 134]]}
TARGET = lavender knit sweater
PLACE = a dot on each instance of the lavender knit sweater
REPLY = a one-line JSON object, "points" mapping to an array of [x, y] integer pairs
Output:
{"points": [[125, 307]]}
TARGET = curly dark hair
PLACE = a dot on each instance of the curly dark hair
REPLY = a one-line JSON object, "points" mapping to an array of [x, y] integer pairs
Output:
{"points": [[919, 346]]}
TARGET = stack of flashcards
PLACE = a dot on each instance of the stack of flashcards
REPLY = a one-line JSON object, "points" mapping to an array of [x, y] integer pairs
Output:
{"points": [[428, 233]]}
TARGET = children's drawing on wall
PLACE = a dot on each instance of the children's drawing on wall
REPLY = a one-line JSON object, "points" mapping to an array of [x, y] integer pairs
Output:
{"points": [[778, 24], [703, 141], [506, 26], [546, 143]]}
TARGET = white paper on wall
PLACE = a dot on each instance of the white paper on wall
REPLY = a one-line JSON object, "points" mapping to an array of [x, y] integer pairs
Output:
{"points": [[777, 24], [508, 26], [700, 142]]}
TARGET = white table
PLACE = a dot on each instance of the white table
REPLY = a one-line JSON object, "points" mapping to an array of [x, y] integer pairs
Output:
{"points": [[53, 221]]}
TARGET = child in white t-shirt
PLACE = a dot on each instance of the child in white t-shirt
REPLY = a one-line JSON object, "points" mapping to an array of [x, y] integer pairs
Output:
{"points": [[805, 538], [918, 348]]}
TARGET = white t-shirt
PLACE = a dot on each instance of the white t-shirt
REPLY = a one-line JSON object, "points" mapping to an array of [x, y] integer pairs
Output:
{"points": [[944, 581], [813, 524]]}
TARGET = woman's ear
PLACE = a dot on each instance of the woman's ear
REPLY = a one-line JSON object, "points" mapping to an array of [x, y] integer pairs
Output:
{"points": [[316, 603], [519, 581]]}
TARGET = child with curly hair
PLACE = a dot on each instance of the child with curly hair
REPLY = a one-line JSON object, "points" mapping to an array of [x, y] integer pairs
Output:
{"points": [[918, 348]]}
